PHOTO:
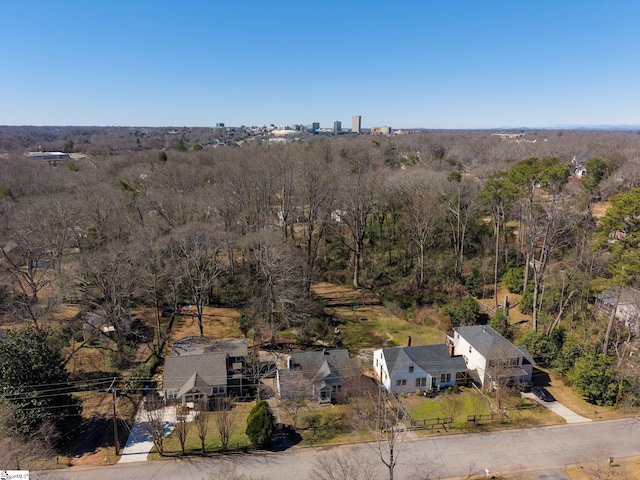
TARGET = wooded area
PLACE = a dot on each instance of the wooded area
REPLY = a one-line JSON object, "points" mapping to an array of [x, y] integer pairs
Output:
{"points": [[436, 219]]}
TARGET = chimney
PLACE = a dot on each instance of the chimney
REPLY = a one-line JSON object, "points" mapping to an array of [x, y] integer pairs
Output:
{"points": [[409, 341], [450, 346]]}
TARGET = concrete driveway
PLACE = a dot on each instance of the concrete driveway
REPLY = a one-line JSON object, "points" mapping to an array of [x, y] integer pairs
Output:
{"points": [[569, 415], [140, 443]]}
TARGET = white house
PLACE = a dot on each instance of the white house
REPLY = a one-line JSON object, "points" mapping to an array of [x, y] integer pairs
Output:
{"points": [[627, 304], [420, 368], [490, 357]]}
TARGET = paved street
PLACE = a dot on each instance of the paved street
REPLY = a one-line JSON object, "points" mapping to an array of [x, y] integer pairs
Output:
{"points": [[543, 448]]}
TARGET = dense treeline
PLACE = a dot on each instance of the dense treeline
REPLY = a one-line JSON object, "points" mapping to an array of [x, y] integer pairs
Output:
{"points": [[422, 219]]}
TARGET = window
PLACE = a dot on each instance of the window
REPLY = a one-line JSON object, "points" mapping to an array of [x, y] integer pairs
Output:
{"points": [[445, 378], [404, 381], [421, 382], [469, 348], [410, 368], [401, 381]]}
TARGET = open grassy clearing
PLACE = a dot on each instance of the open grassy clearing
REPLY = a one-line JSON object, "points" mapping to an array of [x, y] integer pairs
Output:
{"points": [[365, 323], [216, 323]]}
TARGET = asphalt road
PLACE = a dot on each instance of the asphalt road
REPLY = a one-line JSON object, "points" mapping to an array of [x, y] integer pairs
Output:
{"points": [[510, 451]]}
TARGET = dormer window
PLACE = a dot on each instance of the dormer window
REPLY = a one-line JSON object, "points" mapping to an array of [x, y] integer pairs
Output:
{"points": [[410, 368]]}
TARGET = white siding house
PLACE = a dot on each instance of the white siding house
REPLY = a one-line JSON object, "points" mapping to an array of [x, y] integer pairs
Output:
{"points": [[489, 356], [420, 368]]}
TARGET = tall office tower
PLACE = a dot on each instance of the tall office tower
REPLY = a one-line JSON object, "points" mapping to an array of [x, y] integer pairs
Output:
{"points": [[356, 124], [337, 127]]}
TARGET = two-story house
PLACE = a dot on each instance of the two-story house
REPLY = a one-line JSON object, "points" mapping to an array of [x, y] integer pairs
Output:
{"points": [[490, 358]]}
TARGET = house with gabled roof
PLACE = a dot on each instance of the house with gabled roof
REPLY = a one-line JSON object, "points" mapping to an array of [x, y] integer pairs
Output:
{"points": [[491, 358], [201, 369], [195, 378], [421, 368], [320, 375]]}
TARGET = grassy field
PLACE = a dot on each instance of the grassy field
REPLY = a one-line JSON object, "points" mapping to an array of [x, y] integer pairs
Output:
{"points": [[365, 323]]}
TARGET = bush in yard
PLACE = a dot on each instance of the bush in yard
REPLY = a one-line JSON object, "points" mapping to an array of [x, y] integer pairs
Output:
{"points": [[514, 279], [594, 378], [260, 425], [466, 313]]}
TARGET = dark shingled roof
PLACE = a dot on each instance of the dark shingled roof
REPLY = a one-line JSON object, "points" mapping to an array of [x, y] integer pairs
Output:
{"points": [[211, 369], [329, 360], [434, 359], [488, 342]]}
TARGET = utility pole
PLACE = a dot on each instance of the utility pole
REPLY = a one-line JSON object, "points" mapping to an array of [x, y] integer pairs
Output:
{"points": [[115, 417]]}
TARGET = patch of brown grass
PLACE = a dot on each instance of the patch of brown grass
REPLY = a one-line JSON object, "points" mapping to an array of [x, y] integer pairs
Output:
{"points": [[216, 323], [623, 469]]}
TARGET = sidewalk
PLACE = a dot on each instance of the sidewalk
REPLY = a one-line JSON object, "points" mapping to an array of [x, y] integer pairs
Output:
{"points": [[140, 443]]}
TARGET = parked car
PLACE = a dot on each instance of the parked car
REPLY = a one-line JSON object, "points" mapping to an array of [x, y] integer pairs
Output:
{"points": [[543, 394]]}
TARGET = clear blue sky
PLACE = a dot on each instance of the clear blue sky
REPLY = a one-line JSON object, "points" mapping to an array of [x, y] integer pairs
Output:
{"points": [[422, 63]]}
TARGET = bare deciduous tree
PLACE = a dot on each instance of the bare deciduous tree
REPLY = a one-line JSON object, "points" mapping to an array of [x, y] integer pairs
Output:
{"points": [[225, 418], [381, 418], [156, 424], [181, 430], [202, 425], [342, 466], [196, 252]]}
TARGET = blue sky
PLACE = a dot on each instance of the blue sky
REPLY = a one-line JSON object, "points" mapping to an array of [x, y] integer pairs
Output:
{"points": [[422, 63]]}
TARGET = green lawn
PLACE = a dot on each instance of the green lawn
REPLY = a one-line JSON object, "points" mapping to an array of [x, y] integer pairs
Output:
{"points": [[475, 403], [238, 439], [375, 326]]}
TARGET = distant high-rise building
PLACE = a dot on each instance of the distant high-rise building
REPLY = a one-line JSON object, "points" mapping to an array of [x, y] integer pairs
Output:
{"points": [[337, 127], [356, 123]]}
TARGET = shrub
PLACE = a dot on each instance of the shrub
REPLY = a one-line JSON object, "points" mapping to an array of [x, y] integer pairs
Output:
{"points": [[514, 279], [260, 425], [467, 313], [594, 378]]}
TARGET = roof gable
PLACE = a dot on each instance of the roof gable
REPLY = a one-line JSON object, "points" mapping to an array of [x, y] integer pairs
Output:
{"points": [[433, 359], [328, 361], [486, 341], [209, 369]]}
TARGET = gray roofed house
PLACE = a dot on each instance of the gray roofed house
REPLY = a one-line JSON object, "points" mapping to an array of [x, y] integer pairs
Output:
{"points": [[200, 368], [195, 378], [320, 375], [418, 368], [490, 357]]}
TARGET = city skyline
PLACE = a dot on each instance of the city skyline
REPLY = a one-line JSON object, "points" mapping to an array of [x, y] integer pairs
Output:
{"points": [[410, 64]]}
